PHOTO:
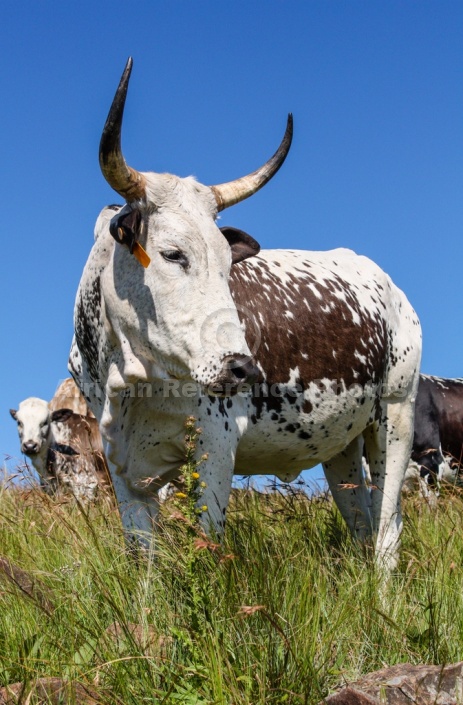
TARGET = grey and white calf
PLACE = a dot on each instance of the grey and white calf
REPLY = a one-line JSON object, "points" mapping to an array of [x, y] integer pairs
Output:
{"points": [[35, 432], [64, 447], [327, 347]]}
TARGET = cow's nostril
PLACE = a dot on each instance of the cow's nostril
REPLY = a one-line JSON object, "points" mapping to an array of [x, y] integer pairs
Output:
{"points": [[239, 371]]}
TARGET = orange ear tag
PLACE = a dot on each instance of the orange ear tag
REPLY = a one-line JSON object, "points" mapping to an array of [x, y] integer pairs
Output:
{"points": [[140, 254]]}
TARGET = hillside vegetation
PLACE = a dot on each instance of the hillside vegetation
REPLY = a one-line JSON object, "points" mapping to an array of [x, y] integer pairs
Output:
{"points": [[284, 611]]}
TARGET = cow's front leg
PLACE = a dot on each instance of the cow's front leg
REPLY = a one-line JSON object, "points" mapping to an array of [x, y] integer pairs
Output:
{"points": [[138, 510], [212, 505], [214, 501], [223, 423], [218, 443]]}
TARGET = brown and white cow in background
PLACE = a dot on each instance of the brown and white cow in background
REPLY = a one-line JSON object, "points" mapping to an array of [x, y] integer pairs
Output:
{"points": [[63, 443], [286, 359], [437, 450]]}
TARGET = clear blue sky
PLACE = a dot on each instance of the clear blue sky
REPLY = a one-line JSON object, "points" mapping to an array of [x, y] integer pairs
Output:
{"points": [[376, 89]]}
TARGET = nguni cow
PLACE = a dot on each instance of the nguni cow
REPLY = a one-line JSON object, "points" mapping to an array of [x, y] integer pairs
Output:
{"points": [[437, 452], [285, 358], [65, 447]]}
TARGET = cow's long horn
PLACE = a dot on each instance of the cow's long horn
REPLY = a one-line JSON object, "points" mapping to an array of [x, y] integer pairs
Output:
{"points": [[126, 181], [235, 191]]}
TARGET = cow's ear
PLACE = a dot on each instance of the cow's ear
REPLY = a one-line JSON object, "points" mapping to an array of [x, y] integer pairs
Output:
{"points": [[126, 227], [14, 414], [241, 244], [61, 415]]}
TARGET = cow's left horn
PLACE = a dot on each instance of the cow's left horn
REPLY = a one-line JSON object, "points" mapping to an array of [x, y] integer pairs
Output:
{"points": [[126, 181], [235, 191]]}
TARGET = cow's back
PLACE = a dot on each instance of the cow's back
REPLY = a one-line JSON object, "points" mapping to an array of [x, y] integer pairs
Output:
{"points": [[329, 314], [68, 396], [332, 336]]}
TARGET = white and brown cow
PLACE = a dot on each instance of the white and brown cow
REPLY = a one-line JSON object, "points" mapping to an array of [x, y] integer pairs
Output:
{"points": [[65, 447], [285, 358]]}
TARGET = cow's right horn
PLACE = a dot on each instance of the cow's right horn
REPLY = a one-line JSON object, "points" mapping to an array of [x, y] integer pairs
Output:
{"points": [[128, 182]]}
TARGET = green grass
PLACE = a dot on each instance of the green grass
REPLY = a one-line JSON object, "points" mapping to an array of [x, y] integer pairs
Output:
{"points": [[287, 609]]}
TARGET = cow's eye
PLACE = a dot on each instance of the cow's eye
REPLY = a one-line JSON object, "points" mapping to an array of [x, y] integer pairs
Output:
{"points": [[20, 424], [176, 256]]}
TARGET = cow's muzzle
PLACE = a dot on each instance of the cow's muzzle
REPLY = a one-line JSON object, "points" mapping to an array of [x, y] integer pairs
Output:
{"points": [[238, 374], [30, 448]]}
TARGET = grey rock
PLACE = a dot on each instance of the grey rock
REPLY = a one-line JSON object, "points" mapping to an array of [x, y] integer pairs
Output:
{"points": [[404, 684]]}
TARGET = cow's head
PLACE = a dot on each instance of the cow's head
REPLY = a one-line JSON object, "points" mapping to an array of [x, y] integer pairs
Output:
{"points": [[34, 420], [167, 294]]}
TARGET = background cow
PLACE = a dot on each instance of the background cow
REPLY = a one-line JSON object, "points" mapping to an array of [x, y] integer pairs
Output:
{"points": [[437, 452], [64, 447], [285, 358]]}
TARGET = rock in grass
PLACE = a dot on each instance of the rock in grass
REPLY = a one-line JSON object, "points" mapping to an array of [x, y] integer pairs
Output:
{"points": [[54, 691], [404, 684], [27, 584]]}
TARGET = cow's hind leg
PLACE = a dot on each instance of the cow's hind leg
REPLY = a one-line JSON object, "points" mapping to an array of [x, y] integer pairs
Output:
{"points": [[388, 443], [346, 481]]}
